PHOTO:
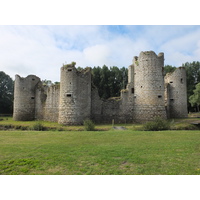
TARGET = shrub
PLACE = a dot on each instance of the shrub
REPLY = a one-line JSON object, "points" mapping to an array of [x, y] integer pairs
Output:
{"points": [[60, 129], [38, 126], [157, 125], [89, 125], [185, 126]]}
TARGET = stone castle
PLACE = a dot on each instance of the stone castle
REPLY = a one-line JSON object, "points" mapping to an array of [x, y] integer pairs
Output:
{"points": [[148, 95]]}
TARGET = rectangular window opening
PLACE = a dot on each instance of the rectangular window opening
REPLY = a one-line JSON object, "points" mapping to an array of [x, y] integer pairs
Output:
{"points": [[132, 90], [69, 70], [159, 96], [69, 95], [32, 97]]}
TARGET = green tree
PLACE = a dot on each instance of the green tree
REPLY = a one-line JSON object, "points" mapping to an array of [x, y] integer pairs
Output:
{"points": [[104, 89], [47, 82], [6, 93], [79, 68], [96, 77], [109, 81], [114, 81], [193, 77], [195, 98], [169, 69]]}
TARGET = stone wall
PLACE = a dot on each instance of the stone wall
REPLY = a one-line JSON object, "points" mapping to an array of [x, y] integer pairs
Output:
{"points": [[176, 93], [40, 100], [24, 97], [96, 106], [75, 95], [51, 106], [76, 99], [118, 109], [149, 86]]}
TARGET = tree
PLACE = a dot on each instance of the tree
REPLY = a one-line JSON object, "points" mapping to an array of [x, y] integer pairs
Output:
{"points": [[96, 78], [6, 93], [109, 81], [104, 89], [193, 77], [169, 69], [47, 82], [195, 98]]}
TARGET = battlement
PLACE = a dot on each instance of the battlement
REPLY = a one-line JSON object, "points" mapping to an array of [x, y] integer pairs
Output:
{"points": [[149, 55]]}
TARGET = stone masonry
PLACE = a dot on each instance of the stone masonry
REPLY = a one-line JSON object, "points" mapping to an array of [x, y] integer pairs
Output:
{"points": [[148, 95]]}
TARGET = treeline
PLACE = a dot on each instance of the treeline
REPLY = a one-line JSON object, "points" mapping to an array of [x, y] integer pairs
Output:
{"points": [[193, 79], [109, 82], [6, 93], [193, 83]]}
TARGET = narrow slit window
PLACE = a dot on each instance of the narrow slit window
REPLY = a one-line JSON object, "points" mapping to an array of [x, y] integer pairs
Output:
{"points": [[181, 80], [69, 95], [32, 97], [132, 90]]}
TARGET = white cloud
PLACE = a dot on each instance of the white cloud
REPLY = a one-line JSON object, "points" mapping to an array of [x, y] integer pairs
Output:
{"points": [[183, 48], [41, 50], [98, 54]]}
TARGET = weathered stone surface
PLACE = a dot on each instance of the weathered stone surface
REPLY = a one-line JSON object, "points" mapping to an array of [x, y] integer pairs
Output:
{"points": [[176, 93], [24, 97], [75, 95], [148, 95], [148, 86]]}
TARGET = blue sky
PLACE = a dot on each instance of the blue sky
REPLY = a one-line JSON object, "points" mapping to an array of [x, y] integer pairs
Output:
{"points": [[42, 50]]}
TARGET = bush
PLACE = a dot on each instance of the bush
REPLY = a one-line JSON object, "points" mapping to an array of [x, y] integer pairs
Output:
{"points": [[184, 126], [157, 125], [89, 125], [38, 126]]}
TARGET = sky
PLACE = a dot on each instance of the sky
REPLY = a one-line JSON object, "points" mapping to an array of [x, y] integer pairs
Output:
{"points": [[31, 43], [41, 50]]}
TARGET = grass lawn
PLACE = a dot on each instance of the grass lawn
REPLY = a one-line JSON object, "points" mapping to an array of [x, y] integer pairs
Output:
{"points": [[100, 152]]}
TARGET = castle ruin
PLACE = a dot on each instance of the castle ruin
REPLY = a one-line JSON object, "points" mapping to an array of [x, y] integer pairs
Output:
{"points": [[148, 95]]}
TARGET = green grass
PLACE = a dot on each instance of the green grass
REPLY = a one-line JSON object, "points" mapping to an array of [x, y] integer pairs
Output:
{"points": [[100, 152], [8, 123]]}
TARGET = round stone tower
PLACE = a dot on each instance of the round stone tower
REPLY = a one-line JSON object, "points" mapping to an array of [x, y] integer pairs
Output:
{"points": [[24, 97], [149, 86], [75, 95], [176, 93]]}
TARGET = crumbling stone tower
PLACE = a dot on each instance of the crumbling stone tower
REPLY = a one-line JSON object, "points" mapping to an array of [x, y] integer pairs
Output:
{"points": [[148, 86], [176, 93], [75, 95], [24, 97]]}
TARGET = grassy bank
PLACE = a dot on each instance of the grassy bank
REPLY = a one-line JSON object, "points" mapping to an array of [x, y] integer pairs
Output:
{"points": [[99, 152], [7, 123]]}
